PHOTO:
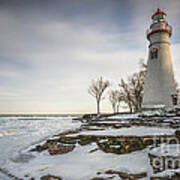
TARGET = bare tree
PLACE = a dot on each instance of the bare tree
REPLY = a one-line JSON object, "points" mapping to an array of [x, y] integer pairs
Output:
{"points": [[96, 89], [113, 99], [136, 83], [120, 99], [126, 92], [132, 89]]}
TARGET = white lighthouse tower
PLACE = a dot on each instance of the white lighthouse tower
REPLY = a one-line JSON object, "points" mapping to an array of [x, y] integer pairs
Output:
{"points": [[159, 82]]}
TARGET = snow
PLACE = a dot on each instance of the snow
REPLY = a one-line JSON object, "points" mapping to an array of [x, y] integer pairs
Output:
{"points": [[125, 116], [166, 150], [168, 172], [115, 146], [110, 122], [167, 120], [110, 176], [152, 113], [103, 140], [131, 131], [80, 164], [94, 127], [3, 177], [157, 106], [137, 115], [169, 151]]}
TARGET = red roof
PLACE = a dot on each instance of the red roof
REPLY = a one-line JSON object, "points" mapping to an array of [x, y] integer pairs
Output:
{"points": [[158, 12]]}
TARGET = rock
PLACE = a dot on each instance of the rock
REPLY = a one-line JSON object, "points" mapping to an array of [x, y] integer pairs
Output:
{"points": [[40, 148], [56, 149], [176, 176], [177, 132], [164, 158], [127, 176], [89, 116], [50, 177]]}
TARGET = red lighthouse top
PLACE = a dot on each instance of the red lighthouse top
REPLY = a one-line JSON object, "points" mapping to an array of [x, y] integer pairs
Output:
{"points": [[159, 24], [158, 12]]}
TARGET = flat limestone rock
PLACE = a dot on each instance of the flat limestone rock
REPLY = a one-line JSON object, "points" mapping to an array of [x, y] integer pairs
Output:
{"points": [[49, 177]]}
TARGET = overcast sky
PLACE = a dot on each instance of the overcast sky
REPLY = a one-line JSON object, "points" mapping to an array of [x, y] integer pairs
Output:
{"points": [[50, 50]]}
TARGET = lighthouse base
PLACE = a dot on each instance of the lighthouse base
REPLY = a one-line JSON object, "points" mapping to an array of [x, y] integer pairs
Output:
{"points": [[153, 107]]}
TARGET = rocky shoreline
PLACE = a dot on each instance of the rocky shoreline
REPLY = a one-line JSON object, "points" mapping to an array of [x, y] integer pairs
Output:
{"points": [[103, 131]]}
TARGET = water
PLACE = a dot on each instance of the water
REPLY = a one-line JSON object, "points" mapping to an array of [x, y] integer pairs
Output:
{"points": [[19, 132]]}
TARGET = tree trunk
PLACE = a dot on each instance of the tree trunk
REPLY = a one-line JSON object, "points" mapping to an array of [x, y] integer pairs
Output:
{"points": [[130, 108], [117, 110], [136, 108], [98, 107], [114, 108]]}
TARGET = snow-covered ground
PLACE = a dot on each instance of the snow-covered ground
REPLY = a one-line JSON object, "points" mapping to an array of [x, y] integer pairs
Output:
{"points": [[130, 131], [84, 162], [167, 153], [140, 114], [110, 122], [124, 116], [172, 150], [80, 164]]}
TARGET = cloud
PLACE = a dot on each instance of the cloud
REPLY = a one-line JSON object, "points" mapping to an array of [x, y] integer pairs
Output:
{"points": [[176, 59], [50, 52]]}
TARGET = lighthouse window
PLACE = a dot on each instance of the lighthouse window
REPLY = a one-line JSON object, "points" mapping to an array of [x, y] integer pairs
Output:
{"points": [[154, 53]]}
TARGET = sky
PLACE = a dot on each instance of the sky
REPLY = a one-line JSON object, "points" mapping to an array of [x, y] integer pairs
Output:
{"points": [[51, 50]]}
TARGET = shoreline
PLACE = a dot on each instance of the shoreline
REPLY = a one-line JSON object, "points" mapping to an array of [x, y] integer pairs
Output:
{"points": [[71, 146]]}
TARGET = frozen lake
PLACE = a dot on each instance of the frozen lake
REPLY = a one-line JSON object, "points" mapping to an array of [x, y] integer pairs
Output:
{"points": [[19, 132]]}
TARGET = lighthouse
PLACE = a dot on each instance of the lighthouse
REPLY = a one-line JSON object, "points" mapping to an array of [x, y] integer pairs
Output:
{"points": [[159, 88]]}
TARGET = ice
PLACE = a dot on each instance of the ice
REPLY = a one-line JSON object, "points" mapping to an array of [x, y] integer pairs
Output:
{"points": [[17, 135], [9, 133]]}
